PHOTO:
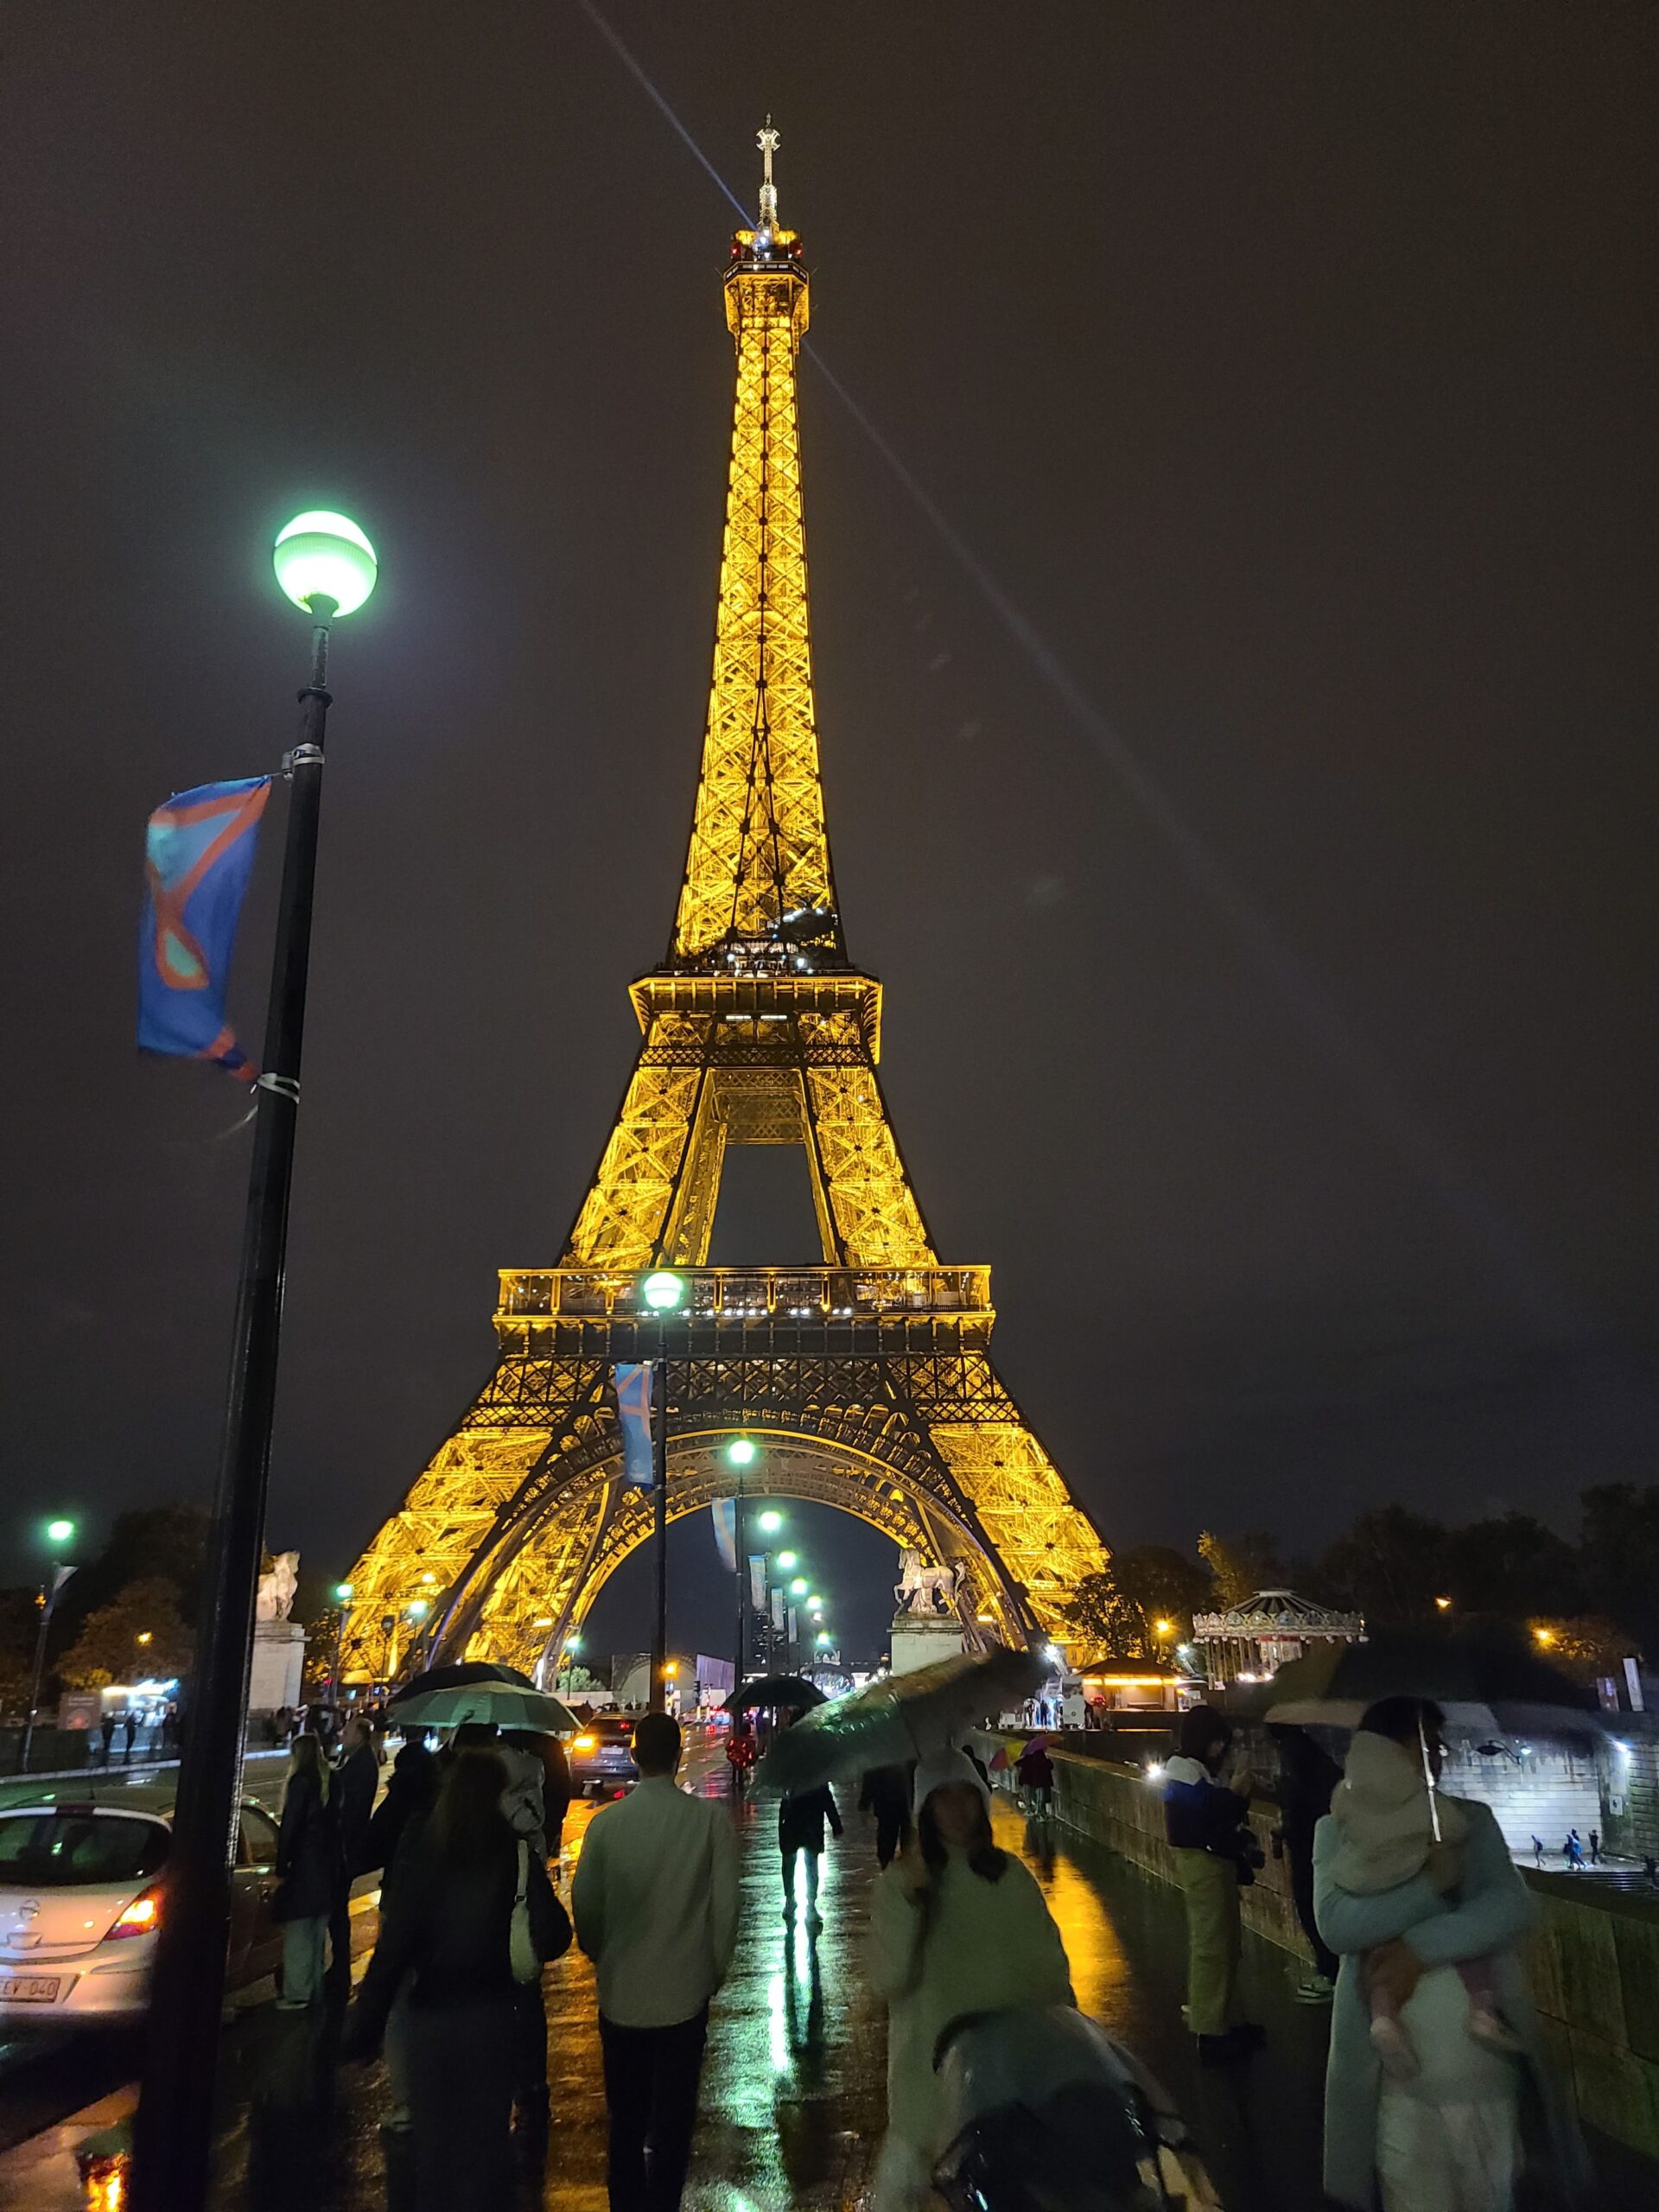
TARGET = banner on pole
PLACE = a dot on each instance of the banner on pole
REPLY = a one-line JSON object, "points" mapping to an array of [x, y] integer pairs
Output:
{"points": [[199, 854], [632, 1380], [758, 1583], [724, 1510]]}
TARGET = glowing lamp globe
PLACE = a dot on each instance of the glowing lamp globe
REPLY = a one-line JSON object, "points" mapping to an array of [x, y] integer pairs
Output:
{"points": [[662, 1293], [322, 556], [344, 1592], [60, 1532], [772, 1522], [798, 1587], [740, 1451], [788, 1559]]}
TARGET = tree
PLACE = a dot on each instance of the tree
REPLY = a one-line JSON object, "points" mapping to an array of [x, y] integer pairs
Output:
{"points": [[164, 1543], [1241, 1566], [1163, 1584], [1100, 1616], [1618, 1557], [20, 1615], [140, 1632], [1511, 1565], [1586, 1645], [1390, 1566]]}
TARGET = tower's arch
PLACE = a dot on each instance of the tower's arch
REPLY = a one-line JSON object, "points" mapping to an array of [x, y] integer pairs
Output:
{"points": [[540, 1587]]}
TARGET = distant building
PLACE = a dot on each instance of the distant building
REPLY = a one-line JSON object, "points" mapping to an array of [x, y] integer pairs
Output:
{"points": [[1250, 1641]]}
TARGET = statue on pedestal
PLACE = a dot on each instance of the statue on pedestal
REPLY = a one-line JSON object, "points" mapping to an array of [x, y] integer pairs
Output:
{"points": [[930, 1591], [275, 1600]]}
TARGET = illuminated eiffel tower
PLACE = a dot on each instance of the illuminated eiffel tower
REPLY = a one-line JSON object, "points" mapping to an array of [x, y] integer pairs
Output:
{"points": [[866, 1381]]}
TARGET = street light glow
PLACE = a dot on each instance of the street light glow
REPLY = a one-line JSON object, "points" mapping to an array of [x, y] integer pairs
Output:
{"points": [[772, 1522], [822, 1640], [798, 1587], [787, 1560], [60, 1532], [742, 1452], [324, 556], [417, 1609], [663, 1292], [344, 1592]]}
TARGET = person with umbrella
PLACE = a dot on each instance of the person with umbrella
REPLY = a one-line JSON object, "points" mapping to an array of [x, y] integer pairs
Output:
{"points": [[957, 1927], [1449, 2134]]}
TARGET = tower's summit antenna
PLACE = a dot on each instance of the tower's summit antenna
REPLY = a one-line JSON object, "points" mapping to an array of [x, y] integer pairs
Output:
{"points": [[767, 140]]}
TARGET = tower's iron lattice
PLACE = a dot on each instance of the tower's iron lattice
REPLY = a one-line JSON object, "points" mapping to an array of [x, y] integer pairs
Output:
{"points": [[869, 1379]]}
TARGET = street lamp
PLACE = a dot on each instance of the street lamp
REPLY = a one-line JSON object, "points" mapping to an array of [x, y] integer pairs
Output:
{"points": [[327, 567], [742, 1452], [60, 1535], [771, 1523], [798, 1587], [344, 1592], [786, 1560]]}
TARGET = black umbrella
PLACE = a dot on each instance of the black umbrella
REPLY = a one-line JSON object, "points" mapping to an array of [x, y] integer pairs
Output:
{"points": [[787, 1693], [1483, 1675], [901, 1717], [461, 1677]]}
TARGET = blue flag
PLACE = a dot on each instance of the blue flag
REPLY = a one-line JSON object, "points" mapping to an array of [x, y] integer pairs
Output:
{"points": [[198, 855], [632, 1381]]}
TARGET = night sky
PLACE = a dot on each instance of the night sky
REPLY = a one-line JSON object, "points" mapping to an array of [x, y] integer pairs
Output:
{"points": [[1242, 778]]}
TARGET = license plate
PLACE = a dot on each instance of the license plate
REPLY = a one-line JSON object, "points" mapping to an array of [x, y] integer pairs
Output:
{"points": [[30, 1988]]}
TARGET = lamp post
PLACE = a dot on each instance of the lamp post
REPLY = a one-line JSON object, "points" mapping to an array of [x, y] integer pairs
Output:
{"points": [[58, 1534], [664, 1293], [344, 1592], [326, 567]]}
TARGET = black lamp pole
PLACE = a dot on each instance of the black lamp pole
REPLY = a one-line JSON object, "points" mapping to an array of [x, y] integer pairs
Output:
{"points": [[659, 1498], [173, 2130]]}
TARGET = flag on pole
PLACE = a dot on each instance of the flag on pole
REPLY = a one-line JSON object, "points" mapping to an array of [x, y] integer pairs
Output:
{"points": [[198, 855], [632, 1380], [724, 1510]]}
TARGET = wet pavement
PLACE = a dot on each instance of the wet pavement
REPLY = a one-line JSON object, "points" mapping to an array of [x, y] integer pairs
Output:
{"points": [[793, 2091]]}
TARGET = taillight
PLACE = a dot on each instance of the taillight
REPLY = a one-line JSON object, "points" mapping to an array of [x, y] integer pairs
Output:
{"points": [[142, 1917]]}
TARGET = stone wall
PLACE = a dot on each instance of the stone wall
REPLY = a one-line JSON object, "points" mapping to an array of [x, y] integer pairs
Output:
{"points": [[1593, 1963], [1630, 1798]]}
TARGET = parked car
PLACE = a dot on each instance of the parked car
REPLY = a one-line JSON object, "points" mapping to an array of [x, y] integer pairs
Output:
{"points": [[601, 1757], [83, 1891]]}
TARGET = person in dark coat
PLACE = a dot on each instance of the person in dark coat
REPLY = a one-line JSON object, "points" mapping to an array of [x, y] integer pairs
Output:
{"points": [[356, 1784], [447, 1930], [1306, 1777], [1035, 1771], [129, 1732], [106, 1729], [800, 1829], [308, 1873], [885, 1791], [411, 1792]]}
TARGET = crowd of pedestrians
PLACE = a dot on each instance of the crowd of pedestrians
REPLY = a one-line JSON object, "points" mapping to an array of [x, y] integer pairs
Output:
{"points": [[1413, 1913]]}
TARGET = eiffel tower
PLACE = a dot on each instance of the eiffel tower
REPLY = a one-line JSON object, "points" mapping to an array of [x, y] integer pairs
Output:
{"points": [[866, 1380]]}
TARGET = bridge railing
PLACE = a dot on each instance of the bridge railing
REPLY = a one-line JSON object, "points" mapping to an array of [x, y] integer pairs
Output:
{"points": [[741, 1295]]}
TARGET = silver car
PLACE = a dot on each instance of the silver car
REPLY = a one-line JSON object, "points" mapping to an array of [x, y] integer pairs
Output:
{"points": [[83, 1891]]}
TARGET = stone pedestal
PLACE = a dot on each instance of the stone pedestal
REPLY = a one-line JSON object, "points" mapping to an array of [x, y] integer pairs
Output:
{"points": [[920, 1638], [278, 1665]]}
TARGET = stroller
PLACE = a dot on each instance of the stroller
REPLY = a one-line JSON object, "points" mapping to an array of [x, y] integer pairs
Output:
{"points": [[1052, 2116]]}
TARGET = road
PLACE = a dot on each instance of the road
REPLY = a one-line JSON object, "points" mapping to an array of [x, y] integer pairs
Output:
{"points": [[793, 2102]]}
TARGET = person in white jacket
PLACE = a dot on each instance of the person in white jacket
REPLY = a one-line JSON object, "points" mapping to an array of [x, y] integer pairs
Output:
{"points": [[654, 1899]]}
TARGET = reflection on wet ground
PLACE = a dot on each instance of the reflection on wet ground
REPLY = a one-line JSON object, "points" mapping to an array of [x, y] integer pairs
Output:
{"points": [[793, 2088]]}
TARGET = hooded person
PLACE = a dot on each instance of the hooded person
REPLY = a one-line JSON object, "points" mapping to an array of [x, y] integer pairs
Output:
{"points": [[1207, 1827], [957, 1927]]}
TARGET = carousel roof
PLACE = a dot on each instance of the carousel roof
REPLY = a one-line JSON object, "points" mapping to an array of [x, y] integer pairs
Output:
{"points": [[1277, 1613]]}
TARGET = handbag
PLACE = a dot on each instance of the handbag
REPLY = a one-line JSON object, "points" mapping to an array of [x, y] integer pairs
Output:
{"points": [[521, 1944]]}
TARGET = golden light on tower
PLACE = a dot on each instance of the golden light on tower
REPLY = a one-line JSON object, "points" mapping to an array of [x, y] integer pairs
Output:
{"points": [[869, 1377]]}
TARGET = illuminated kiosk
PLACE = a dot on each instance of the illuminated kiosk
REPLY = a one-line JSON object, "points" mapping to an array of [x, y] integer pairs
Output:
{"points": [[1249, 1643]]}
